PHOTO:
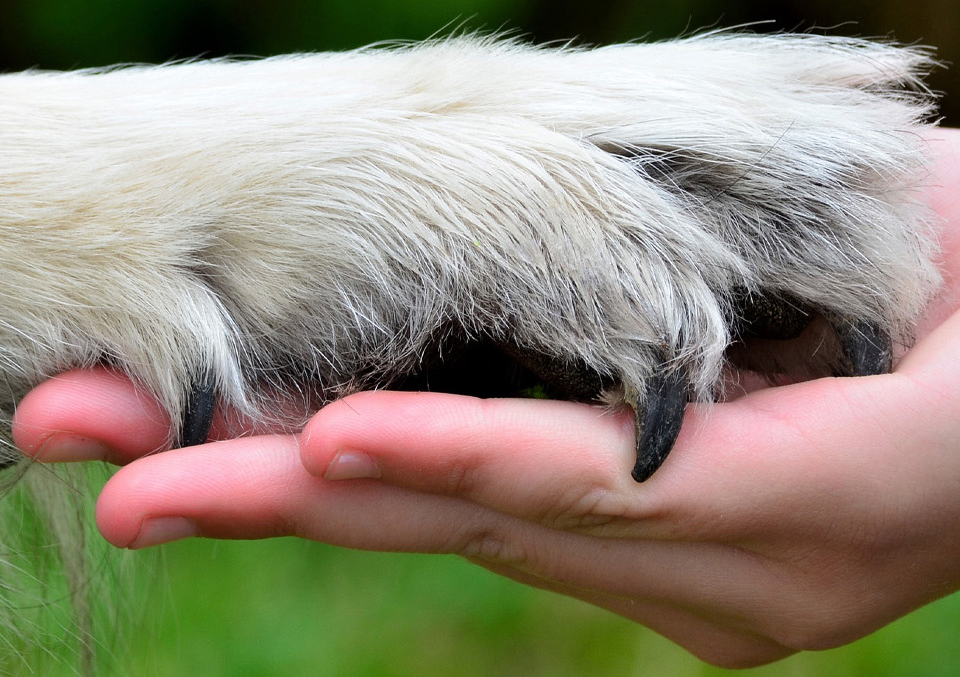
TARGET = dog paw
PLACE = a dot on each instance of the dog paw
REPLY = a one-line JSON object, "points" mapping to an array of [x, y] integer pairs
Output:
{"points": [[622, 222]]}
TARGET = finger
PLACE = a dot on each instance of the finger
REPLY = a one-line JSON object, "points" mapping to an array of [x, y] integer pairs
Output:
{"points": [[739, 471], [256, 487], [95, 414], [558, 463], [235, 497], [100, 415], [561, 464]]}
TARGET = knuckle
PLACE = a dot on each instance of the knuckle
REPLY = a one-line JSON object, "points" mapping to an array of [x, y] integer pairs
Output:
{"points": [[492, 545], [461, 475], [604, 511], [587, 509]]}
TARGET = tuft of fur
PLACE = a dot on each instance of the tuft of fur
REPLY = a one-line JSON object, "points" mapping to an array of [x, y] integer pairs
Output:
{"points": [[297, 228]]}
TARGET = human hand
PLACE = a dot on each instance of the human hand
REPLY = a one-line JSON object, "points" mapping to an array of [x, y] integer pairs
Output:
{"points": [[797, 517]]}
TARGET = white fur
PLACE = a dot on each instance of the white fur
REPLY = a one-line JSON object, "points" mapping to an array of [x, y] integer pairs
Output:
{"points": [[320, 222], [324, 215]]}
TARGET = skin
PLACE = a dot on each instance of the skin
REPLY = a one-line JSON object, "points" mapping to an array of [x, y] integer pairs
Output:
{"points": [[798, 517]]}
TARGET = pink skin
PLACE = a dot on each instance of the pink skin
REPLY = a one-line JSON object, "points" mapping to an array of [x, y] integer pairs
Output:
{"points": [[797, 517]]}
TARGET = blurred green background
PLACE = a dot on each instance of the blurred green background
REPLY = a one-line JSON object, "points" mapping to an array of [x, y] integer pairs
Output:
{"points": [[72, 33], [287, 607]]}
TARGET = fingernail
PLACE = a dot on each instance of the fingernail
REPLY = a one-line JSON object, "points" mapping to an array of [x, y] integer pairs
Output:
{"points": [[163, 530], [61, 447], [351, 465]]}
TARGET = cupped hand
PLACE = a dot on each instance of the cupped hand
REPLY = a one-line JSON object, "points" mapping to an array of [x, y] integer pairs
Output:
{"points": [[796, 517]]}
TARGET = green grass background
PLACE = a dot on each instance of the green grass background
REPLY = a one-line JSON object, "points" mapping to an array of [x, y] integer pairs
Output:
{"points": [[288, 607]]}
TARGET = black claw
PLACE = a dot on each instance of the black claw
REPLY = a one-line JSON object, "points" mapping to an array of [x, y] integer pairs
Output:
{"points": [[658, 422], [866, 347], [198, 417]]}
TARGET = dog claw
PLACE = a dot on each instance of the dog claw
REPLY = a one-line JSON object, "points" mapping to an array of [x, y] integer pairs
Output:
{"points": [[866, 347], [198, 416], [657, 423]]}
